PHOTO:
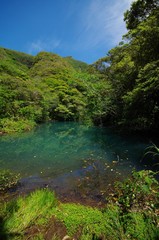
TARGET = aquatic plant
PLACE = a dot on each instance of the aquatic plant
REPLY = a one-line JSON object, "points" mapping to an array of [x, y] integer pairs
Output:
{"points": [[151, 155], [8, 179]]}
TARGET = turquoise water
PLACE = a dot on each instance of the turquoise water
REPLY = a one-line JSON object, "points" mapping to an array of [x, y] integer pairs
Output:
{"points": [[71, 157]]}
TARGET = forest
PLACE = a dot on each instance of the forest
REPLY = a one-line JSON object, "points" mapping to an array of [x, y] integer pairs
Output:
{"points": [[120, 90]]}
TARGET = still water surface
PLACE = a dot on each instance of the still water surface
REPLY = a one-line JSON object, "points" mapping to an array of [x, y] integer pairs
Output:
{"points": [[70, 158]]}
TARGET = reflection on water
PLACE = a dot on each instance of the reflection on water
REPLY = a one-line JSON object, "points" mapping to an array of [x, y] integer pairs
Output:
{"points": [[69, 157]]}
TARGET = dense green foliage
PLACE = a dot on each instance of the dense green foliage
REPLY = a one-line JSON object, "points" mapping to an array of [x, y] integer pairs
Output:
{"points": [[140, 192], [120, 89], [44, 87], [139, 11], [132, 68], [78, 65], [132, 213]]}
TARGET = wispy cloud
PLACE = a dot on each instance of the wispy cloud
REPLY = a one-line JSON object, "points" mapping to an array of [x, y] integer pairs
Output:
{"points": [[43, 45], [85, 29], [102, 21]]}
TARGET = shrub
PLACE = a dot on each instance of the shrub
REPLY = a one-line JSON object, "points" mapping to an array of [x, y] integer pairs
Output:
{"points": [[139, 192], [11, 125]]}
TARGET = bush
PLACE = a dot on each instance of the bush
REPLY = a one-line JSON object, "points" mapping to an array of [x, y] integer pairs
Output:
{"points": [[11, 125], [137, 193]]}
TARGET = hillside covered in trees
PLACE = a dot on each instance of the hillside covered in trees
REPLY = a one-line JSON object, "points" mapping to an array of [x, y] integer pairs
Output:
{"points": [[44, 87], [120, 89]]}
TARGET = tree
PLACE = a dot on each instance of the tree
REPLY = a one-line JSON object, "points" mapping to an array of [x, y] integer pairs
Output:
{"points": [[139, 11], [141, 105], [144, 41], [132, 69]]}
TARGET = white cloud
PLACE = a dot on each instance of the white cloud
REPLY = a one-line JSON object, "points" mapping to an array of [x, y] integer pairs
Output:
{"points": [[102, 21], [43, 45]]}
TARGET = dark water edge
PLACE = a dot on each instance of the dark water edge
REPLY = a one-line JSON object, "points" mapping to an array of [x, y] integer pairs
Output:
{"points": [[78, 162]]}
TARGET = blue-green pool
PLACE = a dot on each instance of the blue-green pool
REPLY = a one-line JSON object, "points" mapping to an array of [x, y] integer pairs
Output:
{"points": [[71, 158]]}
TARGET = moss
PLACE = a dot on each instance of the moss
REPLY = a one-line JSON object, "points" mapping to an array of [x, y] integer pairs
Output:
{"points": [[76, 217]]}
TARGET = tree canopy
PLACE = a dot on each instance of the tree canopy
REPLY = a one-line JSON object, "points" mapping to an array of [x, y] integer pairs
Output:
{"points": [[139, 11], [132, 69]]}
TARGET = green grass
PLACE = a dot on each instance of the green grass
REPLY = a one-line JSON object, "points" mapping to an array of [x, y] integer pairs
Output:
{"points": [[140, 226], [32, 210], [77, 217], [41, 210]]}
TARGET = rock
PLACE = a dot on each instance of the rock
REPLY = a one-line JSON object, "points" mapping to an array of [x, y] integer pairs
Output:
{"points": [[66, 238]]}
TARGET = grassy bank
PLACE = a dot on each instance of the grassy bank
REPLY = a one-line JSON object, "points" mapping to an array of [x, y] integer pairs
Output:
{"points": [[131, 213]]}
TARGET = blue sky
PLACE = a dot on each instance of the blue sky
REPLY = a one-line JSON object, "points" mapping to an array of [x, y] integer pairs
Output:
{"points": [[83, 29]]}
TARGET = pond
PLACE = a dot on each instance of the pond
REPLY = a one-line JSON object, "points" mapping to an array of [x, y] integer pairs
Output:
{"points": [[78, 162]]}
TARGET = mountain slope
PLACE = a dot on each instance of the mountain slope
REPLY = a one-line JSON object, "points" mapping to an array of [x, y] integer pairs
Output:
{"points": [[41, 88]]}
